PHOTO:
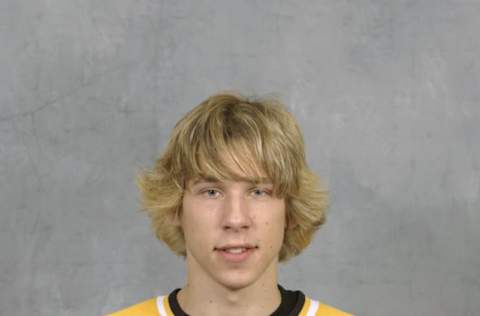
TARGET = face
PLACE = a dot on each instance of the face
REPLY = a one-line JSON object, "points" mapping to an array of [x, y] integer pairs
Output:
{"points": [[233, 232]]}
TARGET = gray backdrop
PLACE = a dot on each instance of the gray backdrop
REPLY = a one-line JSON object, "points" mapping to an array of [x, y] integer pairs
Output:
{"points": [[387, 93]]}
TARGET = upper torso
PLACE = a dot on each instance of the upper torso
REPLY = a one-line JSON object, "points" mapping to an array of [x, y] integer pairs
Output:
{"points": [[293, 303]]}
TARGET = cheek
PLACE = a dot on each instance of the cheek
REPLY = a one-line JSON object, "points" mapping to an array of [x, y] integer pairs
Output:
{"points": [[273, 236], [274, 225], [187, 219], [195, 220], [278, 217]]}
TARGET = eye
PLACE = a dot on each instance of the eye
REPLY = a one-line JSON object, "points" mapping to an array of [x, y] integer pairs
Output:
{"points": [[210, 193], [259, 192]]}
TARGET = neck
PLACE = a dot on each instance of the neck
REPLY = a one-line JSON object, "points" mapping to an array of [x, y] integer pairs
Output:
{"points": [[204, 296]]}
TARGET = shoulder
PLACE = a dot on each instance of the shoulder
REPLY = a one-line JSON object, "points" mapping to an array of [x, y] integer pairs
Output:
{"points": [[145, 308], [313, 307]]}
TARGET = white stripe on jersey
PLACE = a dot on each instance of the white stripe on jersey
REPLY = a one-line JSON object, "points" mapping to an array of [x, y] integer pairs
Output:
{"points": [[312, 309], [161, 308]]}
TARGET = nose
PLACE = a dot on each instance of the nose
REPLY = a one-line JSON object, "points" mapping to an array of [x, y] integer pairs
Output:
{"points": [[236, 214]]}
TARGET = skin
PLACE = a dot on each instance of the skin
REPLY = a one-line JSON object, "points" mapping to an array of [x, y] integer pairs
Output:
{"points": [[231, 212]]}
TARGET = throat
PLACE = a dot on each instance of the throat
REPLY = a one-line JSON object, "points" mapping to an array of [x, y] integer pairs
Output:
{"points": [[231, 303]]}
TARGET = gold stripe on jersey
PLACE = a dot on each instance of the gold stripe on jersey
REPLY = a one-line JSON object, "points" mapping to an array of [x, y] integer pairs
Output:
{"points": [[325, 310], [305, 308], [146, 308], [163, 306], [166, 303], [313, 308]]}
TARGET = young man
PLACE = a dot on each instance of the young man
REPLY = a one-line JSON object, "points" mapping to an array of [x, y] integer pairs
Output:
{"points": [[232, 194]]}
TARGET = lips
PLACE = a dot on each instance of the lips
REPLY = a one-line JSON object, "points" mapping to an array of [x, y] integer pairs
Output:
{"points": [[235, 248], [236, 253]]}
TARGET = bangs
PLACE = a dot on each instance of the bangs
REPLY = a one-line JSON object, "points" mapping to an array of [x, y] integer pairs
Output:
{"points": [[241, 144]]}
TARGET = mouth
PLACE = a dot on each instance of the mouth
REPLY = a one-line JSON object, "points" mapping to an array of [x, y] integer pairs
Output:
{"points": [[236, 253], [235, 248]]}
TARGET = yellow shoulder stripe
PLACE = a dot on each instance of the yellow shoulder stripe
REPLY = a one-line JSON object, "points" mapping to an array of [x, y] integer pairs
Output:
{"points": [[166, 304], [146, 308], [325, 310], [305, 308]]}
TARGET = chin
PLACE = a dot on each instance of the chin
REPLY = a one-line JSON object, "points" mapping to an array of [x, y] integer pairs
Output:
{"points": [[236, 280]]}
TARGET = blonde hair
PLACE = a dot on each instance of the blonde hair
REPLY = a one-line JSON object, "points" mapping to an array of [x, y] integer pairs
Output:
{"points": [[262, 138]]}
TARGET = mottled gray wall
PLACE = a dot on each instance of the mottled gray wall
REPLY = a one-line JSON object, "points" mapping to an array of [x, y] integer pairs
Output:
{"points": [[387, 93]]}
